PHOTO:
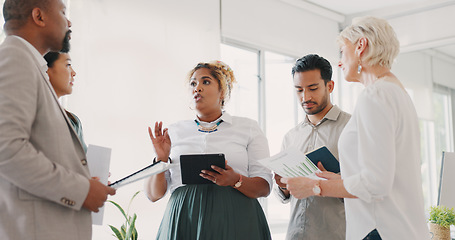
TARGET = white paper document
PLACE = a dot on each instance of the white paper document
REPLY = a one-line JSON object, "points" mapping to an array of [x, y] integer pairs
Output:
{"points": [[291, 163], [98, 159], [150, 170]]}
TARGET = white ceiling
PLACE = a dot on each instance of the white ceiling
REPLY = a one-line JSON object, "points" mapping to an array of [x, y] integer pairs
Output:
{"points": [[344, 10], [348, 7], [449, 50]]}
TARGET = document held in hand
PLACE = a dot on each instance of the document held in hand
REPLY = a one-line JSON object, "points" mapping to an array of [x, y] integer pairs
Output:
{"points": [[293, 163], [327, 159], [155, 168], [98, 160]]}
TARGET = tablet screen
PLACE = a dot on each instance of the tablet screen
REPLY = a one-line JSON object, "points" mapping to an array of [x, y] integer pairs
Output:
{"points": [[192, 164]]}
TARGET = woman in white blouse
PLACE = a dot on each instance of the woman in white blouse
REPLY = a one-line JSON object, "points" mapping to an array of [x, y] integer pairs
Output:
{"points": [[227, 209], [379, 148]]}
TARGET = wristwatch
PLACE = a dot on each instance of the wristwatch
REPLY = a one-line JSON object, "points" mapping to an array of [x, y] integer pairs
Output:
{"points": [[317, 189], [239, 183]]}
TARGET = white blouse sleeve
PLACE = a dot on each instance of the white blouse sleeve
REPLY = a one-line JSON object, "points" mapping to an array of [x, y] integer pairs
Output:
{"points": [[258, 148], [376, 119]]}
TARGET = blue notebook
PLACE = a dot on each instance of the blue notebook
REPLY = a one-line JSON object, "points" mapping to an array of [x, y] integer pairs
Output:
{"points": [[327, 159]]}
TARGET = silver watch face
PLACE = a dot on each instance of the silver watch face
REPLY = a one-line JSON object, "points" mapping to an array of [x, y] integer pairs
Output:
{"points": [[238, 184], [316, 190]]}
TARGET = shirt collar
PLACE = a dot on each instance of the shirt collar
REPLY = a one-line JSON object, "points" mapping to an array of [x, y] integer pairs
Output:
{"points": [[332, 115], [226, 117], [42, 62]]}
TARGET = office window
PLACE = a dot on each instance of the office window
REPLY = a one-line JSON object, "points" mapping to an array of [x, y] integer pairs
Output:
{"points": [[281, 114], [281, 108], [244, 63], [436, 136], [442, 122]]}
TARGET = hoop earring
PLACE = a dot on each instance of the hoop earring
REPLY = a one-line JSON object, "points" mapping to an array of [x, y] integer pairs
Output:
{"points": [[192, 105]]}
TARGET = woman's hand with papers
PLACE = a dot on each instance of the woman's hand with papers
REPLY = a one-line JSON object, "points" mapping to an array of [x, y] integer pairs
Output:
{"points": [[300, 187], [326, 174]]}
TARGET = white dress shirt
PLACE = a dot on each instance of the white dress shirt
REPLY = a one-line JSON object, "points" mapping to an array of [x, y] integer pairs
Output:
{"points": [[380, 164], [240, 139]]}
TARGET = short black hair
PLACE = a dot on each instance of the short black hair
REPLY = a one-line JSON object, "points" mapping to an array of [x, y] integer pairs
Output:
{"points": [[312, 62], [21, 9], [51, 57]]}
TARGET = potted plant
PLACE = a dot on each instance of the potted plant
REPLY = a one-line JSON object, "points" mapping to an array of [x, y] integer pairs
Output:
{"points": [[441, 218], [128, 230]]}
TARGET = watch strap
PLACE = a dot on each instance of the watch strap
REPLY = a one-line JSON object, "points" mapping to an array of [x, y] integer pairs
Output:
{"points": [[239, 183]]}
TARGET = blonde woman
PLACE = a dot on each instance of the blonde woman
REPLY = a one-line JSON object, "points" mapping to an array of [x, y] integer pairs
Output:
{"points": [[227, 209], [379, 148]]}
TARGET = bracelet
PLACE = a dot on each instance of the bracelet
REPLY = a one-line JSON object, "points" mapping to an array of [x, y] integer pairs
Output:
{"points": [[317, 189], [154, 160]]}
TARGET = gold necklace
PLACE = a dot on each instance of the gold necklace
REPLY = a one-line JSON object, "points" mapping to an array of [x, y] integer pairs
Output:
{"points": [[210, 129]]}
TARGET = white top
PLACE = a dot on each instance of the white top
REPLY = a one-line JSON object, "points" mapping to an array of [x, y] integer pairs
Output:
{"points": [[380, 163], [240, 139]]}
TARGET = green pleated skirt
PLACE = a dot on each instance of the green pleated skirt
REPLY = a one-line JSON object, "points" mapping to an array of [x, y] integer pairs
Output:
{"points": [[209, 211]]}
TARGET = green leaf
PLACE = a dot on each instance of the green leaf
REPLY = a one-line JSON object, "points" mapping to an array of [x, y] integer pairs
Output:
{"points": [[132, 227], [117, 233], [134, 237], [119, 208], [132, 198], [123, 228], [442, 215], [128, 230]]}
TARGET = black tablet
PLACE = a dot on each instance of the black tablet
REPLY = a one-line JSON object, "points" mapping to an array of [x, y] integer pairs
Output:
{"points": [[327, 159], [192, 164]]}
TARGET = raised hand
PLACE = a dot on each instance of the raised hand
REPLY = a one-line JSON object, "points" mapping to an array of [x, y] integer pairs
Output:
{"points": [[161, 141]]}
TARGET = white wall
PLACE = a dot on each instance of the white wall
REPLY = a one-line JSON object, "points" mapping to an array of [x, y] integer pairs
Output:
{"points": [[444, 72], [415, 70], [431, 28]]}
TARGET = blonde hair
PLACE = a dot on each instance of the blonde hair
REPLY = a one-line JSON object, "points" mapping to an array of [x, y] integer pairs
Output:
{"points": [[383, 45], [221, 72]]}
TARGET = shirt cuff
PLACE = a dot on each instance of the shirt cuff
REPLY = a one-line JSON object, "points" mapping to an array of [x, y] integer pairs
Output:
{"points": [[281, 195], [354, 186], [266, 177]]}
